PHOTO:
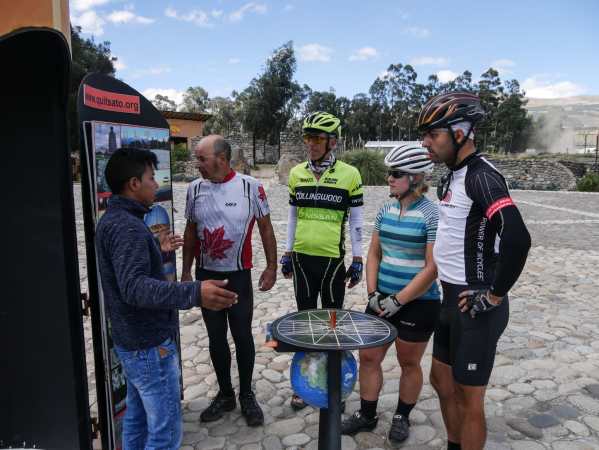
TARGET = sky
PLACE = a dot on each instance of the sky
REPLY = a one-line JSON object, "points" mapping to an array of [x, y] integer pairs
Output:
{"points": [[550, 47]]}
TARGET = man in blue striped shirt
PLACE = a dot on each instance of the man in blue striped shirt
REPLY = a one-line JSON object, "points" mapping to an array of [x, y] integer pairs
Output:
{"points": [[400, 278]]}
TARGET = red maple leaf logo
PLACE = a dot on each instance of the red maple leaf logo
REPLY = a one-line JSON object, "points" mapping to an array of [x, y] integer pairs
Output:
{"points": [[214, 244], [261, 193]]}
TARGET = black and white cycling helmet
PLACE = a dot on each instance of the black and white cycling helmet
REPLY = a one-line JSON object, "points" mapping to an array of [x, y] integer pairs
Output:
{"points": [[409, 158]]}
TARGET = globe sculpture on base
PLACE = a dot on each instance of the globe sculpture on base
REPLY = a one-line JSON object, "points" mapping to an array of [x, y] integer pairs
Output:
{"points": [[309, 377]]}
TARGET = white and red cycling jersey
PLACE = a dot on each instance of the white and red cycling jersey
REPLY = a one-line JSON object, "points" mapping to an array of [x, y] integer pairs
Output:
{"points": [[225, 214], [467, 245]]}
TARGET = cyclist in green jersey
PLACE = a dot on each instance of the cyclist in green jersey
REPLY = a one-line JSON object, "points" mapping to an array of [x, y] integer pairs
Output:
{"points": [[324, 194]]}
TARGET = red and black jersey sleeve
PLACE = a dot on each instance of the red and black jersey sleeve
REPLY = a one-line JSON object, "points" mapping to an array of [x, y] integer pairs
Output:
{"points": [[489, 192]]}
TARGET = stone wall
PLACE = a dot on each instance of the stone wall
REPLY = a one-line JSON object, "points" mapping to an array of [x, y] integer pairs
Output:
{"points": [[544, 175], [265, 153], [579, 169], [520, 173], [292, 153], [239, 162]]}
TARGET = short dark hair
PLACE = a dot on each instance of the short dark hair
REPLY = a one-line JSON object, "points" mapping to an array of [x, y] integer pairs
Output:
{"points": [[127, 163], [221, 146]]}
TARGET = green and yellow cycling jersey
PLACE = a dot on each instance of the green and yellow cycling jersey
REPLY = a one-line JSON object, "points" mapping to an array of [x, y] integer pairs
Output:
{"points": [[323, 207]]}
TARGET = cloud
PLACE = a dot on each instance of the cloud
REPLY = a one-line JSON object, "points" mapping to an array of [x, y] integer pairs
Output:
{"points": [[503, 66], [429, 61], [315, 52], [364, 54], [85, 5], [173, 94], [446, 76], [402, 14], [234, 61], [251, 7], [90, 22], [119, 64], [171, 12], [150, 72], [417, 32], [197, 17], [288, 7], [206, 19], [128, 16], [536, 87]]}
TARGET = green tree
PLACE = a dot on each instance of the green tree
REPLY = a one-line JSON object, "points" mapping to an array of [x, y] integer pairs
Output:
{"points": [[513, 122], [195, 99], [225, 116], [379, 95], [88, 57], [163, 103], [490, 91], [403, 96], [322, 101], [271, 100], [362, 119], [464, 82], [329, 102]]}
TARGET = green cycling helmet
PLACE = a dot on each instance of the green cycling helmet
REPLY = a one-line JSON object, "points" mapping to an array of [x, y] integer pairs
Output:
{"points": [[322, 122]]}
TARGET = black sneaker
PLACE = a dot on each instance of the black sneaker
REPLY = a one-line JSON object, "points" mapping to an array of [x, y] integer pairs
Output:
{"points": [[219, 406], [358, 422], [400, 428], [251, 410]]}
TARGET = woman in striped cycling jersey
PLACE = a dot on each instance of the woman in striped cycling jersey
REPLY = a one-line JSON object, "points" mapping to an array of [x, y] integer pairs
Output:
{"points": [[400, 278]]}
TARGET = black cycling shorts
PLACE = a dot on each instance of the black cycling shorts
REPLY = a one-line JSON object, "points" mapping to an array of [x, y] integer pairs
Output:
{"points": [[415, 321], [315, 276], [468, 345]]}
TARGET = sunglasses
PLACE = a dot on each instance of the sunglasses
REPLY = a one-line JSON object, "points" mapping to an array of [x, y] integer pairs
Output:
{"points": [[443, 186], [397, 173], [314, 139]]}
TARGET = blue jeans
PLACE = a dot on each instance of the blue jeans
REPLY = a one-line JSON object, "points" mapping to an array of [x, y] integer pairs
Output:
{"points": [[153, 415]]}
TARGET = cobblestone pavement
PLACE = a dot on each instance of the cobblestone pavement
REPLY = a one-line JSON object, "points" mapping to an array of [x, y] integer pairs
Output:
{"points": [[544, 391]]}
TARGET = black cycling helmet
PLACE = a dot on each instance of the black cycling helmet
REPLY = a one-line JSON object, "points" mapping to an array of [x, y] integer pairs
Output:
{"points": [[444, 110]]}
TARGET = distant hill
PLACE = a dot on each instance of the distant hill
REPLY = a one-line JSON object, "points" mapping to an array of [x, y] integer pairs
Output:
{"points": [[564, 101], [572, 112]]}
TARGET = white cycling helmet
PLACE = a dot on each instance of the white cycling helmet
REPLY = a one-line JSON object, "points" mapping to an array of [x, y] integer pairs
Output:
{"points": [[409, 158]]}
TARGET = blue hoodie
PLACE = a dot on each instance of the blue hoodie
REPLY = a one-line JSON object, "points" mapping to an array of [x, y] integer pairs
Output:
{"points": [[142, 306]]}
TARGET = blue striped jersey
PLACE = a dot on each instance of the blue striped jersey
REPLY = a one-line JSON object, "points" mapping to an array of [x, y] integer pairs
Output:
{"points": [[403, 240]]}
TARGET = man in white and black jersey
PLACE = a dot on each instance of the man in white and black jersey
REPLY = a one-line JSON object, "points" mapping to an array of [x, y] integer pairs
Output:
{"points": [[480, 251], [221, 210]]}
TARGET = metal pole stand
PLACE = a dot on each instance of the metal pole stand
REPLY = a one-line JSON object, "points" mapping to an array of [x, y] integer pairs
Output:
{"points": [[329, 426]]}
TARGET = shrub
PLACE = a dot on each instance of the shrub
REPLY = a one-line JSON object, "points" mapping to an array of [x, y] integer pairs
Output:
{"points": [[370, 164], [180, 153], [589, 183]]}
